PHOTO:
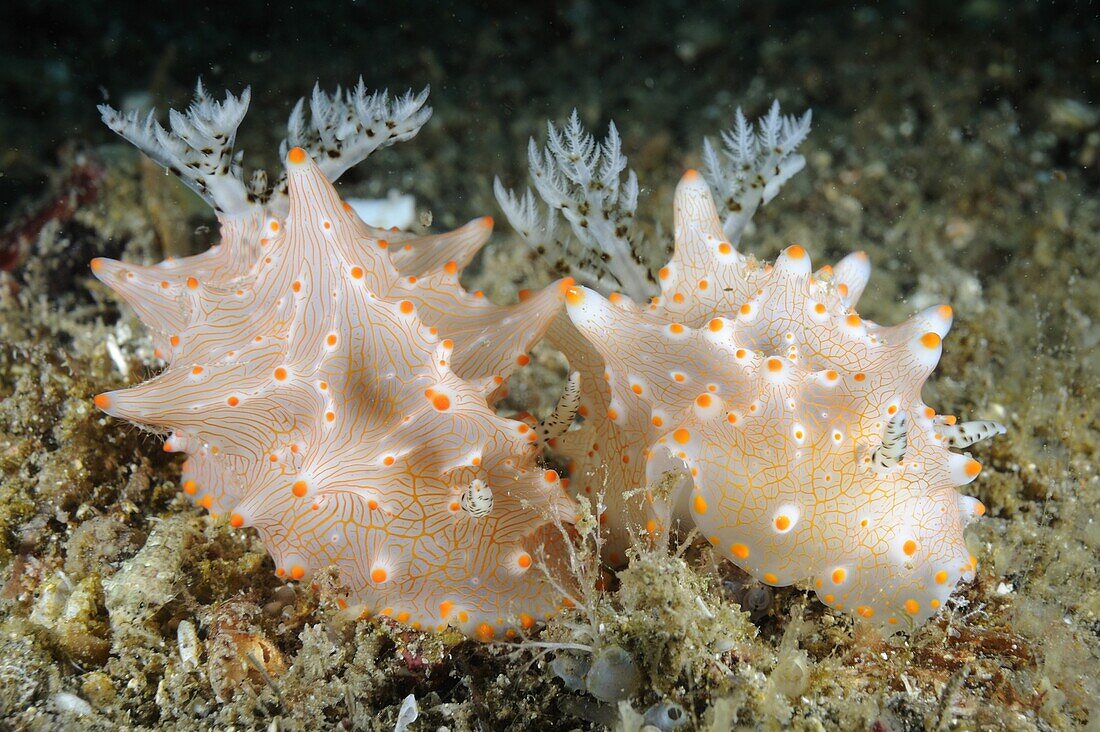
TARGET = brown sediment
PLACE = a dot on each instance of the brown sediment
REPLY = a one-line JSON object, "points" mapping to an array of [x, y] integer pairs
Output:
{"points": [[966, 177]]}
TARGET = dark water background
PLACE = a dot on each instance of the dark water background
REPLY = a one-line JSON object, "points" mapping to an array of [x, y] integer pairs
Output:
{"points": [[492, 64]]}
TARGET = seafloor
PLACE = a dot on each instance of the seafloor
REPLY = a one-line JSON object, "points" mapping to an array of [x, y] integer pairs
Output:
{"points": [[958, 145]]}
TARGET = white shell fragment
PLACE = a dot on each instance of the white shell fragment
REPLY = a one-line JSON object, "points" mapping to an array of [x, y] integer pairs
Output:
{"points": [[407, 715], [395, 209], [189, 644]]}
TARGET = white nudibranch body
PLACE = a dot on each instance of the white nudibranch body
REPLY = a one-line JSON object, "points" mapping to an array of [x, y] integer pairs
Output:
{"points": [[749, 399], [333, 384], [811, 453]]}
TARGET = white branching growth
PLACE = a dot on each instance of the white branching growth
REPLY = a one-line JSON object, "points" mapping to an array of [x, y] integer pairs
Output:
{"points": [[344, 128], [583, 543], [753, 165], [583, 180], [198, 147]]}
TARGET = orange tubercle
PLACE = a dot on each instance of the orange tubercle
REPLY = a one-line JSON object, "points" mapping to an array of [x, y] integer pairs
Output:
{"points": [[296, 155], [930, 340]]}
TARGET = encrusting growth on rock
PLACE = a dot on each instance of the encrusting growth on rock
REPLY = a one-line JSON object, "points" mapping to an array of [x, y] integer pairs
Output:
{"points": [[332, 384]]}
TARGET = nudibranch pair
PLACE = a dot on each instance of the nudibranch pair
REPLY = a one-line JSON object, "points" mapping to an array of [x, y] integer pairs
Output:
{"points": [[332, 384]]}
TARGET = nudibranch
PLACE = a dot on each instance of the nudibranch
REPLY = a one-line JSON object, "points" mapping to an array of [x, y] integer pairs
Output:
{"points": [[333, 384], [810, 452], [605, 454]]}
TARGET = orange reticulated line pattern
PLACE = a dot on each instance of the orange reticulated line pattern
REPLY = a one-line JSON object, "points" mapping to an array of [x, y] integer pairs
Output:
{"points": [[765, 389], [332, 385]]}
